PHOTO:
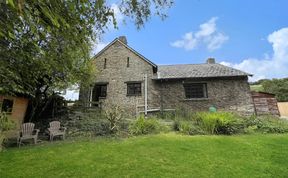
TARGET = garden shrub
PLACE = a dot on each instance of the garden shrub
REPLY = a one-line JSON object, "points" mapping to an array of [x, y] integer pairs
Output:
{"points": [[266, 124], [97, 123], [88, 124], [183, 114], [165, 115], [220, 122], [176, 125], [5, 125], [144, 126], [114, 115], [188, 127], [235, 126], [250, 129], [186, 122], [208, 123]]}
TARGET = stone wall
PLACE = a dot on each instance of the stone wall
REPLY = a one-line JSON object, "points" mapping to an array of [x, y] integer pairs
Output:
{"points": [[230, 94], [117, 74], [225, 94]]}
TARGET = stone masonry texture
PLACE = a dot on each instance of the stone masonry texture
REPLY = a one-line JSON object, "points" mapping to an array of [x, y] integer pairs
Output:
{"points": [[229, 93]]}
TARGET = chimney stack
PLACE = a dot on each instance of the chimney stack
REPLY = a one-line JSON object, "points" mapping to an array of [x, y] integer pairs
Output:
{"points": [[123, 39], [210, 60]]}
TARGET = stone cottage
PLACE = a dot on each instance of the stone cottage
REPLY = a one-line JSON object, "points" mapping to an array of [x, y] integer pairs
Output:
{"points": [[135, 83]]}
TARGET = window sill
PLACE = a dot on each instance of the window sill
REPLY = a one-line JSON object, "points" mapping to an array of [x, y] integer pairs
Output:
{"points": [[133, 95], [7, 113], [196, 99]]}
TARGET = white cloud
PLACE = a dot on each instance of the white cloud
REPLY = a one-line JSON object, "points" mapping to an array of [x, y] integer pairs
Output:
{"points": [[279, 40], [207, 35], [117, 13], [207, 29], [119, 17], [216, 41], [275, 66], [188, 42]]}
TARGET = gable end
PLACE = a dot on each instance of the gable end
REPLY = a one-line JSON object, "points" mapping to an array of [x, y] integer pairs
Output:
{"points": [[155, 67]]}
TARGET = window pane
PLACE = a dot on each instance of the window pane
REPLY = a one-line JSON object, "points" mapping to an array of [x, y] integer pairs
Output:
{"points": [[103, 89], [7, 105], [195, 90], [133, 88], [99, 90]]}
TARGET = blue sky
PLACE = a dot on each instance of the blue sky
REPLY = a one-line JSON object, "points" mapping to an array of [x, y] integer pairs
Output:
{"points": [[234, 32], [250, 35]]}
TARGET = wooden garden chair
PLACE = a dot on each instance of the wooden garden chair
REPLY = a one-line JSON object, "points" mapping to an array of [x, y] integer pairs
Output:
{"points": [[56, 130], [27, 132]]}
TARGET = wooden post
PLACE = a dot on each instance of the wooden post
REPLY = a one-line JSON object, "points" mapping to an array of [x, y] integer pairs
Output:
{"points": [[161, 98], [146, 97], [90, 97]]}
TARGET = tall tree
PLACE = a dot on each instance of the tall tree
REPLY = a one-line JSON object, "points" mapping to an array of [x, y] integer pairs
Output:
{"points": [[45, 44], [279, 87]]}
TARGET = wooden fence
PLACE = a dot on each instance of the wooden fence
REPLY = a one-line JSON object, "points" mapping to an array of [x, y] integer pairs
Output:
{"points": [[283, 108]]}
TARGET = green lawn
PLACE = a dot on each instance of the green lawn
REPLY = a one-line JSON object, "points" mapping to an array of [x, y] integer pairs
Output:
{"points": [[164, 155], [256, 88]]}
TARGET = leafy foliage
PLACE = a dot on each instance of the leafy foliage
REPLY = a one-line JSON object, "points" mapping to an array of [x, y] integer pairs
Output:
{"points": [[96, 123], [227, 123], [144, 126], [48, 40], [279, 87], [219, 122], [45, 45], [5, 125], [265, 124], [87, 125], [195, 123], [259, 82], [188, 128], [114, 115]]}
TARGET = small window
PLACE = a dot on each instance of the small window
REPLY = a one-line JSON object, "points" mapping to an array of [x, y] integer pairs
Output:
{"points": [[7, 106], [195, 90], [134, 89], [128, 61], [105, 63]]}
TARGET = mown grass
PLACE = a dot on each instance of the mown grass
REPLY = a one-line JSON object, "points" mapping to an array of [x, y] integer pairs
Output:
{"points": [[256, 88], [164, 155]]}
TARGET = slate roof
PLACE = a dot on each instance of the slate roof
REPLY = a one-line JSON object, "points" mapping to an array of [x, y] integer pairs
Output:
{"points": [[197, 71]]}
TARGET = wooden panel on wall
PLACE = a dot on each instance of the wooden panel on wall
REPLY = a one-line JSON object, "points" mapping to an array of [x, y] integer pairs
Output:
{"points": [[265, 103], [283, 108]]}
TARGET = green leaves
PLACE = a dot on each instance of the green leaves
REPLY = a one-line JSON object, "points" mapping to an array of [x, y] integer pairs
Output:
{"points": [[11, 3], [279, 87], [45, 45], [42, 47], [48, 14], [5, 123]]}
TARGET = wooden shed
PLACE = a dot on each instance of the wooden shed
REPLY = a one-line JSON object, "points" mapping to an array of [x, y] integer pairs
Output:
{"points": [[15, 107], [265, 103]]}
